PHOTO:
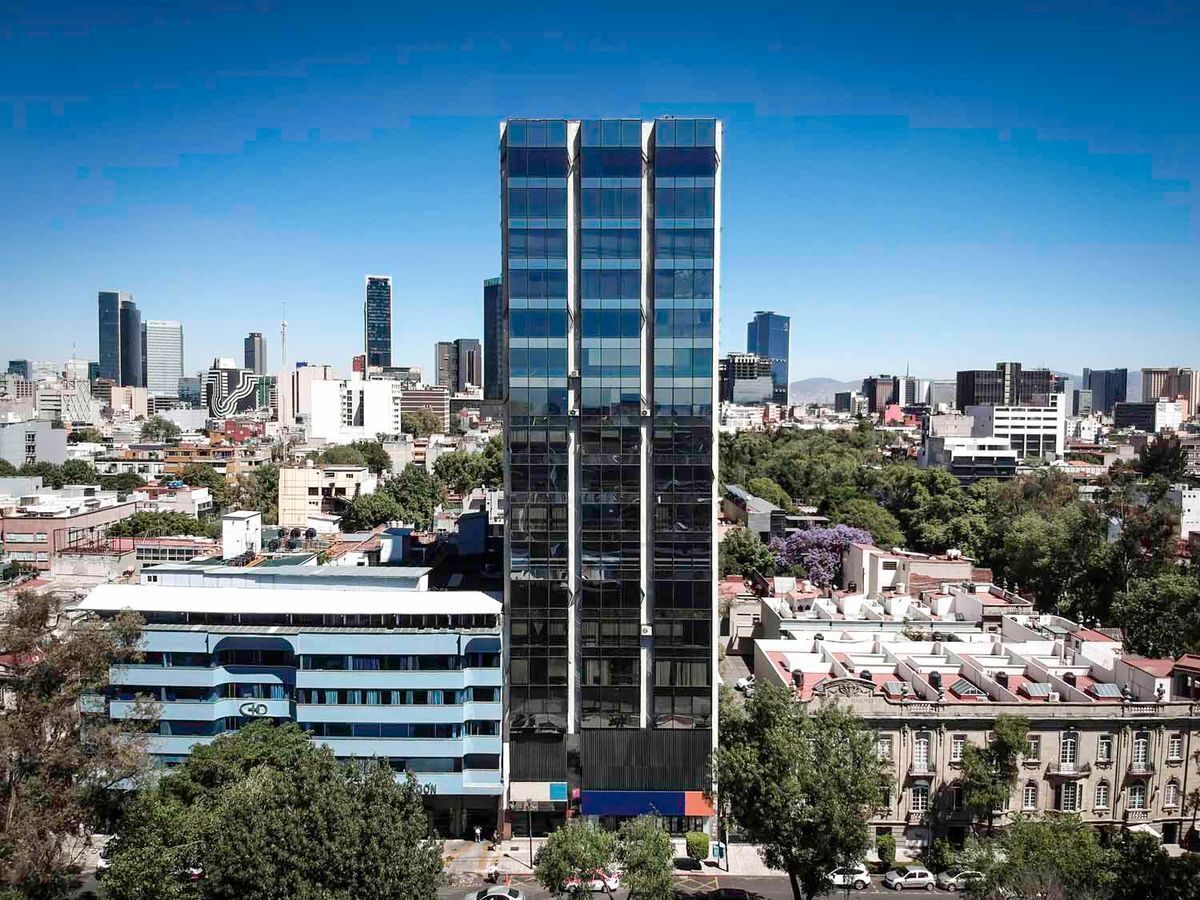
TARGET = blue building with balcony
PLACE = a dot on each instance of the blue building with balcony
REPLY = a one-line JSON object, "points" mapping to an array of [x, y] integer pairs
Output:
{"points": [[409, 677]]}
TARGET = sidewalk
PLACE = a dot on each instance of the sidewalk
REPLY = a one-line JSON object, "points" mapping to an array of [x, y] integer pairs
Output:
{"points": [[511, 857]]}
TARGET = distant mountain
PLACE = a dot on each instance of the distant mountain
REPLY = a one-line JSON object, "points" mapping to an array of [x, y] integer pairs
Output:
{"points": [[820, 390]]}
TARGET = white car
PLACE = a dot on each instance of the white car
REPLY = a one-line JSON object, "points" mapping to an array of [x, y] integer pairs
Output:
{"points": [[497, 892], [600, 881], [855, 876], [744, 684], [908, 878]]}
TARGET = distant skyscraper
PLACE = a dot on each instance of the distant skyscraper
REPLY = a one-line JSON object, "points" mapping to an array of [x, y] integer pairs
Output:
{"points": [[110, 303], [445, 364], [610, 233], [164, 357], [21, 367], [377, 321], [1172, 383], [1108, 386], [768, 335], [133, 352], [493, 340], [458, 364], [255, 353], [880, 390]]}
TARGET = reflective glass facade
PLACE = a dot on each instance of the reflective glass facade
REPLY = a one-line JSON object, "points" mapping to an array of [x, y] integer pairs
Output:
{"points": [[768, 336], [377, 321], [609, 289], [109, 309], [493, 340]]}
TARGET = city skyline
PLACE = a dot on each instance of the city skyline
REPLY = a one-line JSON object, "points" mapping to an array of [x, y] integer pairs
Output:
{"points": [[965, 189]]}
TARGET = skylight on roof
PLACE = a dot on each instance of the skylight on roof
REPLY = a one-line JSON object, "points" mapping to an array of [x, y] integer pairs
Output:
{"points": [[1105, 689], [1036, 689], [964, 688], [894, 688]]}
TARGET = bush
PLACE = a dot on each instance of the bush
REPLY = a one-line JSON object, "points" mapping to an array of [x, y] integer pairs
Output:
{"points": [[939, 856], [697, 845], [885, 846]]}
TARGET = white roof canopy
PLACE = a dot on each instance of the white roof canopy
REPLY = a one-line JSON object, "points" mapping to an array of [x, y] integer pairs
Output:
{"points": [[283, 601]]}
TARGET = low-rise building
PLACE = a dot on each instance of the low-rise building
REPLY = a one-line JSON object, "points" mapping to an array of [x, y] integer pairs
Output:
{"points": [[24, 440], [37, 524], [970, 458], [1035, 430], [1187, 501], [329, 489], [1152, 416], [173, 496], [409, 677], [1110, 734]]}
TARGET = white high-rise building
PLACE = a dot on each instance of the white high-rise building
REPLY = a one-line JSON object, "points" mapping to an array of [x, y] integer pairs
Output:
{"points": [[163, 342]]}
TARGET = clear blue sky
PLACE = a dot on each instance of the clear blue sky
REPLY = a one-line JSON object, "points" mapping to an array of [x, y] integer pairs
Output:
{"points": [[933, 184]]}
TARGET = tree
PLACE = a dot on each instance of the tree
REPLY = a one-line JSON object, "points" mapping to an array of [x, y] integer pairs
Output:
{"points": [[76, 471], [459, 470], [867, 515], [58, 763], [819, 551], [741, 552], [1054, 857], [645, 853], [696, 845], [572, 854], [7, 469], [85, 436], [1160, 616], [200, 475], [343, 455], [258, 489], [420, 423], [802, 785], [374, 455], [266, 813], [159, 430], [771, 492], [989, 773], [1165, 457], [124, 483], [50, 474], [418, 494], [369, 510], [163, 524], [1142, 868]]}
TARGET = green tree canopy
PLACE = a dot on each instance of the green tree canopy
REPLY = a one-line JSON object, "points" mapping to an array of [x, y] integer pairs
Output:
{"points": [[263, 812], [768, 490], [1165, 457], [7, 468], [865, 513], [1055, 856], [55, 782], [421, 423], [51, 475], [76, 471], [374, 455], [989, 773], [200, 475], [417, 493], [343, 455], [85, 436], [164, 524], [462, 470], [646, 855], [741, 552], [573, 854], [1160, 615], [803, 786], [159, 430], [125, 482], [368, 510]]}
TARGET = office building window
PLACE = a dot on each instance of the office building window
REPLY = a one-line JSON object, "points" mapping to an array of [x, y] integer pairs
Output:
{"points": [[1101, 798]]}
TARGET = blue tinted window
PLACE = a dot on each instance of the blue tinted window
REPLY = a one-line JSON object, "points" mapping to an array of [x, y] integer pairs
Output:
{"points": [[681, 162], [611, 162]]}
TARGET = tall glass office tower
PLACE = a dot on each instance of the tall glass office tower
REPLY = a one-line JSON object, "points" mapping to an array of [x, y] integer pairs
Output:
{"points": [[163, 343], [493, 340], [610, 237], [768, 336], [377, 321]]}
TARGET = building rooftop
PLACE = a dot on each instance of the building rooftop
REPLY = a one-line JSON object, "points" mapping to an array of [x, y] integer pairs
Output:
{"points": [[159, 598]]}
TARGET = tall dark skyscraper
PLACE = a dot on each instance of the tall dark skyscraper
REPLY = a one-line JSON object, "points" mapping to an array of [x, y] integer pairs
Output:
{"points": [[610, 240], [122, 354], [458, 364], [493, 340], [1108, 386], [768, 335], [377, 321], [255, 353]]}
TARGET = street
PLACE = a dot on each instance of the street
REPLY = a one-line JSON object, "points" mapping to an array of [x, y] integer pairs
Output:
{"points": [[692, 887]]}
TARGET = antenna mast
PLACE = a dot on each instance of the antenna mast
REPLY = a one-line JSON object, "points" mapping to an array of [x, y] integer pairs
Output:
{"points": [[283, 338]]}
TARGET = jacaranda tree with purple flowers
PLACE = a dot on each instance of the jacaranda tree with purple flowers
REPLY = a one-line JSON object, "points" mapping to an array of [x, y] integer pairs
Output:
{"points": [[819, 551]]}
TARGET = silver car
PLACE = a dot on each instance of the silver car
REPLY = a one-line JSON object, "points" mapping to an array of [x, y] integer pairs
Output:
{"points": [[495, 892], [957, 879], [906, 878]]}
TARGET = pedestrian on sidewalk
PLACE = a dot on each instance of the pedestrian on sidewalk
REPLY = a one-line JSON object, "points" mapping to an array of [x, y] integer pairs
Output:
{"points": [[478, 834]]}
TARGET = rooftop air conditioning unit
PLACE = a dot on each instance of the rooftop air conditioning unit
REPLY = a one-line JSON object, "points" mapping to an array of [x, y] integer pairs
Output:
{"points": [[1053, 697]]}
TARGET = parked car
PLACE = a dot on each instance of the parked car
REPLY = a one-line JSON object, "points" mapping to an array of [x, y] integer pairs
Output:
{"points": [[957, 879], [495, 892], [600, 881], [744, 684], [729, 894], [906, 878], [856, 876]]}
